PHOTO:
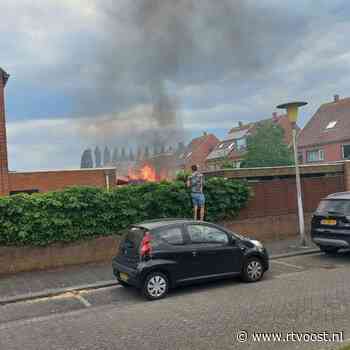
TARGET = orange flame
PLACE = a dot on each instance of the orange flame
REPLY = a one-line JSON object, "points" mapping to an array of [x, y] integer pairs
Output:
{"points": [[146, 173]]}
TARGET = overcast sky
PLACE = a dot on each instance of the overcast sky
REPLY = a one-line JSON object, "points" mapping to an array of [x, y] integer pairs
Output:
{"points": [[87, 72]]}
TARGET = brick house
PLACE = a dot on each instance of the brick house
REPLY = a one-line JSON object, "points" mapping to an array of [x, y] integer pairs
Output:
{"points": [[197, 151], [4, 177], [233, 147], [326, 137], [12, 182]]}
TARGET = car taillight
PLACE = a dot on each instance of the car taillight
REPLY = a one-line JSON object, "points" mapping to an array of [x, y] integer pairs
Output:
{"points": [[146, 247]]}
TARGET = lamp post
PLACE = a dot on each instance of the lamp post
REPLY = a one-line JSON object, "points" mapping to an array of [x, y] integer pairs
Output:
{"points": [[292, 112]]}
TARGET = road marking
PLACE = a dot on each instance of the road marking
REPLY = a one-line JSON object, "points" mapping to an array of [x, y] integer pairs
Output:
{"points": [[287, 264], [46, 318], [82, 300], [288, 274]]}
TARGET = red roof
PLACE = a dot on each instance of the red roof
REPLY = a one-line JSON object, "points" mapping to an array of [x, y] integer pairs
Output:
{"points": [[224, 150], [331, 123]]}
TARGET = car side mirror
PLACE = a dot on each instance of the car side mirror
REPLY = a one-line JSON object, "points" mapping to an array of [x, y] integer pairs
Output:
{"points": [[233, 241]]}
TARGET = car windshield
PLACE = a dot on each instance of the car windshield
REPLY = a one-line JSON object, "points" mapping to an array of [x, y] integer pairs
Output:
{"points": [[334, 206]]}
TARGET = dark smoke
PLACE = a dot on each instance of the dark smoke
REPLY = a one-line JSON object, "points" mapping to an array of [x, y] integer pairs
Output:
{"points": [[149, 50]]}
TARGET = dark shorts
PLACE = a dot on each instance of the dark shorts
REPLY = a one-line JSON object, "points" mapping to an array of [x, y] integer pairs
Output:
{"points": [[198, 199]]}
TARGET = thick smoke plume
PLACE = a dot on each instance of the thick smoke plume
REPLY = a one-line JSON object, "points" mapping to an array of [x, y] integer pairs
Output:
{"points": [[149, 51]]}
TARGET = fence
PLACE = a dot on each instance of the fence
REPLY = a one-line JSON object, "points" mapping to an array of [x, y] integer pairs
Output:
{"points": [[271, 213]]}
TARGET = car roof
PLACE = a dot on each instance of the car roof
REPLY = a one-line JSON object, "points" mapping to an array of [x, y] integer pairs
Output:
{"points": [[339, 195], [159, 223]]}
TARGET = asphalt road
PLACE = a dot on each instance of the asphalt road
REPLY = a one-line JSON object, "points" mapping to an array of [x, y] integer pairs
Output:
{"points": [[299, 294]]}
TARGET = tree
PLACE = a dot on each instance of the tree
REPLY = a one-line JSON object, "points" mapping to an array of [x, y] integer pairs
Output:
{"points": [[131, 155], [147, 152], [123, 155], [266, 148], [98, 157], [86, 160], [106, 156], [115, 156], [139, 153], [227, 164], [180, 147]]}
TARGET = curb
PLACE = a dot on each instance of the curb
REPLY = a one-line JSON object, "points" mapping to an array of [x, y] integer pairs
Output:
{"points": [[112, 283], [295, 253], [57, 291]]}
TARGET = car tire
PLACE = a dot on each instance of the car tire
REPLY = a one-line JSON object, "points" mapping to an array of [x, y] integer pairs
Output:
{"points": [[329, 250], [155, 286], [253, 270]]}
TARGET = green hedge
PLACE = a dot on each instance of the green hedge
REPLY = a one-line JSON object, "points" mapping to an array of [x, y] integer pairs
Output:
{"points": [[82, 213]]}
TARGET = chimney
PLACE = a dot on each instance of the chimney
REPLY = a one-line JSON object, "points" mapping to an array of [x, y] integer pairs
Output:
{"points": [[240, 124], [4, 178], [336, 98], [205, 133]]}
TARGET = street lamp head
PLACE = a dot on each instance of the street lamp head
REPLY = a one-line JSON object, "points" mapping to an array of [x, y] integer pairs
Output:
{"points": [[292, 109]]}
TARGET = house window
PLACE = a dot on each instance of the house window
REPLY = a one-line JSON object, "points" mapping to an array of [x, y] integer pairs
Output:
{"points": [[300, 157], [241, 143], [315, 155], [346, 151], [331, 125], [189, 155], [237, 164]]}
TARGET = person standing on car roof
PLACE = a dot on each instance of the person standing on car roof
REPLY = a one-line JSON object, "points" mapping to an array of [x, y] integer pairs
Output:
{"points": [[196, 182]]}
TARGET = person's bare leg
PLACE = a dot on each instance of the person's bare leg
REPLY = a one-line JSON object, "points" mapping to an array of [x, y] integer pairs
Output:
{"points": [[195, 211], [202, 213]]}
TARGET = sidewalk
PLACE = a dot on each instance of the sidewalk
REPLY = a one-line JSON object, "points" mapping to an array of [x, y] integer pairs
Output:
{"points": [[83, 275]]}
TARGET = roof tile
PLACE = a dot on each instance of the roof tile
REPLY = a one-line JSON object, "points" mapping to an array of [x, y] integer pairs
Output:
{"points": [[315, 132]]}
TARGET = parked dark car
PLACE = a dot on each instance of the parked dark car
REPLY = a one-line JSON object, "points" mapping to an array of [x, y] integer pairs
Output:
{"points": [[330, 227], [155, 256]]}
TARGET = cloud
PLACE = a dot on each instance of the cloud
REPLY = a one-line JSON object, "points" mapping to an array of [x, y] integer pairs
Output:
{"points": [[97, 63]]}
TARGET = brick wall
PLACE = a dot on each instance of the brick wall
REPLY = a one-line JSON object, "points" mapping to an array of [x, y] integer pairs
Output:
{"points": [[4, 185], [272, 211], [278, 197], [44, 181]]}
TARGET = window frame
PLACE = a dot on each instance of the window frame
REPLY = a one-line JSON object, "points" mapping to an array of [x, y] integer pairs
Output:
{"points": [[321, 155], [242, 146], [342, 150], [159, 232], [331, 125], [230, 238], [301, 157]]}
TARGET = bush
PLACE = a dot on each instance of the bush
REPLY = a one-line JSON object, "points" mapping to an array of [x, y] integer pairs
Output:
{"points": [[82, 213]]}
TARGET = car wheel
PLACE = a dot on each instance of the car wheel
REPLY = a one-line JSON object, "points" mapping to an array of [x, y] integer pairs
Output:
{"points": [[156, 286], [253, 270], [329, 250]]}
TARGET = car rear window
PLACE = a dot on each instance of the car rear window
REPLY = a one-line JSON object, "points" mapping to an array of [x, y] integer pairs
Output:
{"points": [[335, 206], [133, 237]]}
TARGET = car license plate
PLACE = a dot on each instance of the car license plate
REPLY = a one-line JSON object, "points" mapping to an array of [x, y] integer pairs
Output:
{"points": [[329, 222], [124, 276]]}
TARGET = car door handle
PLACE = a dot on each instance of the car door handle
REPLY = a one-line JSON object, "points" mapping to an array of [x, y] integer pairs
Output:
{"points": [[194, 253]]}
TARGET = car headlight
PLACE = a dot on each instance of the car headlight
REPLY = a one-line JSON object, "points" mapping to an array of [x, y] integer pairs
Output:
{"points": [[257, 244]]}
